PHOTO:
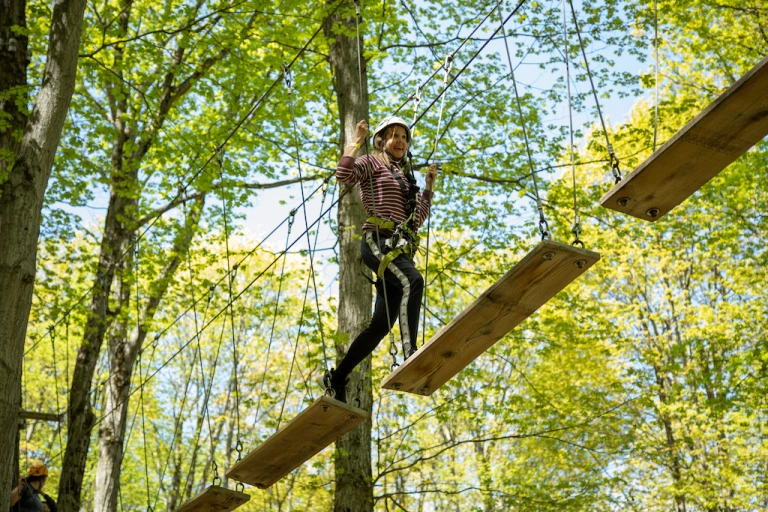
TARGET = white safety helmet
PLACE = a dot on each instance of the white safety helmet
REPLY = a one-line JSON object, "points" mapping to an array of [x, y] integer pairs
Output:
{"points": [[391, 121]]}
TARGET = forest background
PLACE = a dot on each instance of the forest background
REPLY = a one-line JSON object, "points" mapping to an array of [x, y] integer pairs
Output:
{"points": [[640, 387]]}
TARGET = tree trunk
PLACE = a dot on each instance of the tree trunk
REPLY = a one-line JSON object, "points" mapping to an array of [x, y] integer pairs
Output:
{"points": [[354, 484], [123, 354], [23, 180]]}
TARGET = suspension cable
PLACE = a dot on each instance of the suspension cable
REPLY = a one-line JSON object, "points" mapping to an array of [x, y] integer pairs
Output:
{"points": [[543, 225], [56, 381], [213, 319], [231, 271], [289, 87], [448, 65], [258, 103], [614, 160], [274, 317], [206, 412], [656, 80], [453, 53], [457, 75], [369, 167], [576, 229]]}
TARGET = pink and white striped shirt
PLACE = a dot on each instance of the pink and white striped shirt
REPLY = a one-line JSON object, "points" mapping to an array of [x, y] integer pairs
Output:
{"points": [[389, 200]]}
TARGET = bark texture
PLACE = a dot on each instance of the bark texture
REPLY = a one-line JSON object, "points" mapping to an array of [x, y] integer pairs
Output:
{"points": [[25, 167], [354, 484]]}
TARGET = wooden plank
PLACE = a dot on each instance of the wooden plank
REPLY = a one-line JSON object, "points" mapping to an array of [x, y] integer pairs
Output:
{"points": [[313, 429], [725, 130], [41, 416], [215, 499], [543, 272]]}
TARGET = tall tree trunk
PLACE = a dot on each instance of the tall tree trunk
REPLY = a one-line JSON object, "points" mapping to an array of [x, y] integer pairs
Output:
{"points": [[354, 484], [80, 414], [23, 180], [123, 352]]}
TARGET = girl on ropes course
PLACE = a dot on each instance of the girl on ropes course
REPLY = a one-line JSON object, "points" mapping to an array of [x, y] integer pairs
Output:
{"points": [[395, 211]]}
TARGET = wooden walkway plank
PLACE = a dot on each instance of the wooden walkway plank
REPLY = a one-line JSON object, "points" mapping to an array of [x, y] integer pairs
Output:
{"points": [[542, 273], [725, 130], [215, 499], [313, 429]]}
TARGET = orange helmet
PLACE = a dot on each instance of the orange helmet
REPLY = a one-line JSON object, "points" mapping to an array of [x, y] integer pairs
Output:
{"points": [[37, 469]]}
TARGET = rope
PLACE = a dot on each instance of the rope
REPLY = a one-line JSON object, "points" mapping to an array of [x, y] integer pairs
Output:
{"points": [[453, 53], [543, 225], [289, 86], [213, 319], [206, 412], [392, 345], [448, 66], [487, 41], [231, 271], [274, 318], [656, 80], [256, 106], [576, 229], [144, 440], [177, 424], [56, 383], [293, 359], [614, 161]]}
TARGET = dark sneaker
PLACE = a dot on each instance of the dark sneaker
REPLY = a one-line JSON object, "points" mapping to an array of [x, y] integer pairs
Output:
{"points": [[338, 388]]}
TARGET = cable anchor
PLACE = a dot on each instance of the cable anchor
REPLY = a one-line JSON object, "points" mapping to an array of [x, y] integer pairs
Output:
{"points": [[614, 161], [576, 230], [448, 66], [216, 477], [543, 226], [287, 78], [392, 350]]}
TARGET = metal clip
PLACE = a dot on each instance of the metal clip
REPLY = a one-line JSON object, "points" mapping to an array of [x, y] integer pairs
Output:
{"points": [[543, 228], [287, 78]]}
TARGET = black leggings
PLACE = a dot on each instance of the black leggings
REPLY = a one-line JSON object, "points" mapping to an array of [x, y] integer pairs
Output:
{"points": [[405, 286]]}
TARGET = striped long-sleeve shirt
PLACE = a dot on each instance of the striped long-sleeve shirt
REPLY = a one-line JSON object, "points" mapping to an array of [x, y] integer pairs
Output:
{"points": [[389, 200]]}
